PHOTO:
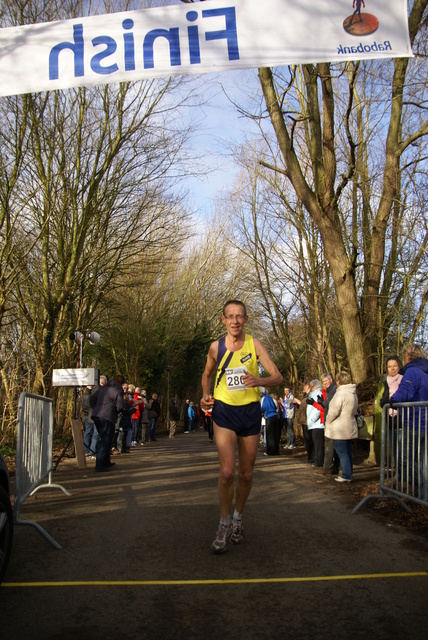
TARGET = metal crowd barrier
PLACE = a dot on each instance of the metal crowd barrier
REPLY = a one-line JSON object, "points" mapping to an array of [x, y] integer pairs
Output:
{"points": [[403, 466], [34, 454]]}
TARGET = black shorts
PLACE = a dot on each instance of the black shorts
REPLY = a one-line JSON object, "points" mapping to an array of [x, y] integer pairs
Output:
{"points": [[245, 420]]}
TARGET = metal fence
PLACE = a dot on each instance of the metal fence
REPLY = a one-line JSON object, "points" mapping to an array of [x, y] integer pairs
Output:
{"points": [[34, 450], [403, 465]]}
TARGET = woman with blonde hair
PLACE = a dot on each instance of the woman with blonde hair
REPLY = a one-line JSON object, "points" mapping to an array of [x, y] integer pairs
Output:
{"points": [[341, 424]]}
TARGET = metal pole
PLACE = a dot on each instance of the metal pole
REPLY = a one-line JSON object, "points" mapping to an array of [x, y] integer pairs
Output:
{"points": [[167, 398]]}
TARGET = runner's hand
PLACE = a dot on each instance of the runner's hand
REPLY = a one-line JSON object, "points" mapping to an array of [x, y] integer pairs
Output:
{"points": [[207, 402], [250, 381]]}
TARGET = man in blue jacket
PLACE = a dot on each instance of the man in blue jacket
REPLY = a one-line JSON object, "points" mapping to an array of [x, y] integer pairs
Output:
{"points": [[414, 388], [270, 412]]}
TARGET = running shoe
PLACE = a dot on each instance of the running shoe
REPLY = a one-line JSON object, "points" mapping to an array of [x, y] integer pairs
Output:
{"points": [[220, 542], [237, 535]]}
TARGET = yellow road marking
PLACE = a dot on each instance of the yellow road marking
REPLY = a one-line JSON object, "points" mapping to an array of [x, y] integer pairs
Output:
{"points": [[174, 583]]}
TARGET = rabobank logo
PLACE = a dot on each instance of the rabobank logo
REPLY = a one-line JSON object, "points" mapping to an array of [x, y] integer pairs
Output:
{"points": [[360, 23]]}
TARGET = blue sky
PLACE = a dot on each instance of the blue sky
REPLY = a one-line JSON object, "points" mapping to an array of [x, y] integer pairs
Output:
{"points": [[222, 126]]}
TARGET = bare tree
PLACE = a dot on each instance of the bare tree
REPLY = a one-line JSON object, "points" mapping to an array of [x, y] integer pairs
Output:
{"points": [[330, 124]]}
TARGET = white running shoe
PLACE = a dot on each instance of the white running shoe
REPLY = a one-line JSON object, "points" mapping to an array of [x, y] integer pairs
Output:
{"points": [[237, 535], [220, 542]]}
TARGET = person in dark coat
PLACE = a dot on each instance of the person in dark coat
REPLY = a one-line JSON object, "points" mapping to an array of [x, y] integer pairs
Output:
{"points": [[106, 403]]}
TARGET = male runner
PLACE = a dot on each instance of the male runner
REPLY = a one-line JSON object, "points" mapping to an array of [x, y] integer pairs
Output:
{"points": [[236, 413]]}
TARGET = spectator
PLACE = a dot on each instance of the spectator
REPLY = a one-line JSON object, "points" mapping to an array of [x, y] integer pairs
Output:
{"points": [[125, 425], [186, 416], [391, 381], [174, 416], [302, 420], [288, 418], [315, 419], [115, 444], [154, 413], [209, 422], [138, 403], [191, 411], [144, 417], [106, 402], [90, 436], [331, 458], [414, 388], [341, 424], [270, 412]]}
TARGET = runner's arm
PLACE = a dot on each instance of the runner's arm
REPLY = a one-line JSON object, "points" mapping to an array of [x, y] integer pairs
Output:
{"points": [[207, 376]]}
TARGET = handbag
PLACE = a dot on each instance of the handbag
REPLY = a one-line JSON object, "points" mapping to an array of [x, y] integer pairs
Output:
{"points": [[361, 423]]}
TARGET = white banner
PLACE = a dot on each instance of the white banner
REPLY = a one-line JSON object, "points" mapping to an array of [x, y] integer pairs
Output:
{"points": [[198, 38]]}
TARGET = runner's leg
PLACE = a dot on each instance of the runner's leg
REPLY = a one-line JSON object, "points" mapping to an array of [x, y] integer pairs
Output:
{"points": [[225, 440], [247, 448]]}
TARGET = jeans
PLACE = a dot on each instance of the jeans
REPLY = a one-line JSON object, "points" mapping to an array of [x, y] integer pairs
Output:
{"points": [[152, 428], [344, 451], [135, 429], [90, 437], [291, 438]]}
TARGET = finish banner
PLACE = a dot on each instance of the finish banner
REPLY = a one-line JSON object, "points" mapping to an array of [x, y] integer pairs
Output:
{"points": [[198, 38]]}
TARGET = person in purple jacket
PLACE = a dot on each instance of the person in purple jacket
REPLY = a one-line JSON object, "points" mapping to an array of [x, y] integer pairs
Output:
{"points": [[414, 388]]}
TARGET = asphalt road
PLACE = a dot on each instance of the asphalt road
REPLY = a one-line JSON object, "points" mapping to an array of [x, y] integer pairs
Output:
{"points": [[136, 562]]}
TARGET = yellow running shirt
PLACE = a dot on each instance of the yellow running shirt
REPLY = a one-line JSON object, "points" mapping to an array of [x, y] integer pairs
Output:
{"points": [[231, 365]]}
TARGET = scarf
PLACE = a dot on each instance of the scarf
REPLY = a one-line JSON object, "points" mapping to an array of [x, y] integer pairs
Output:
{"points": [[393, 384]]}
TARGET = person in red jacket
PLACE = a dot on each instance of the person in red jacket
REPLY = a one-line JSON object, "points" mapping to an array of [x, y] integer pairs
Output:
{"points": [[137, 401]]}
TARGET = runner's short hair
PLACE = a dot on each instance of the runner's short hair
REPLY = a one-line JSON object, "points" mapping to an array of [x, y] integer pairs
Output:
{"points": [[235, 302]]}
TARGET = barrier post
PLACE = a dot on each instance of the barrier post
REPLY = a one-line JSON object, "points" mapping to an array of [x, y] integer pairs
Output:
{"points": [[404, 455], [34, 454]]}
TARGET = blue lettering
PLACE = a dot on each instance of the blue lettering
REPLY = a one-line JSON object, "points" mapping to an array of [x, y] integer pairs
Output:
{"points": [[172, 35], [367, 48], [77, 47], [110, 48], [128, 40], [230, 33], [193, 37]]}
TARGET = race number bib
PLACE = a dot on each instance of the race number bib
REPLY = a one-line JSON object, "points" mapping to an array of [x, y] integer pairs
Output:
{"points": [[234, 379]]}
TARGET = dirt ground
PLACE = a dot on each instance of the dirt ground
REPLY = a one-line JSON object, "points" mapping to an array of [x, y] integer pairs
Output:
{"points": [[135, 560]]}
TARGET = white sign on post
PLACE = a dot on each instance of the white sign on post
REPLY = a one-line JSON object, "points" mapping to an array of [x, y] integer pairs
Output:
{"points": [[75, 377]]}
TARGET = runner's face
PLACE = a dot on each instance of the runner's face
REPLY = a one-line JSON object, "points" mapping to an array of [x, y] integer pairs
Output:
{"points": [[234, 319]]}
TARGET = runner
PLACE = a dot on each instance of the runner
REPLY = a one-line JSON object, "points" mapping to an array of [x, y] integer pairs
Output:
{"points": [[236, 413]]}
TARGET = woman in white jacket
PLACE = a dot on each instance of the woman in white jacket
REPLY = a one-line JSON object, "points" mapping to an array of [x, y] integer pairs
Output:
{"points": [[341, 425]]}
